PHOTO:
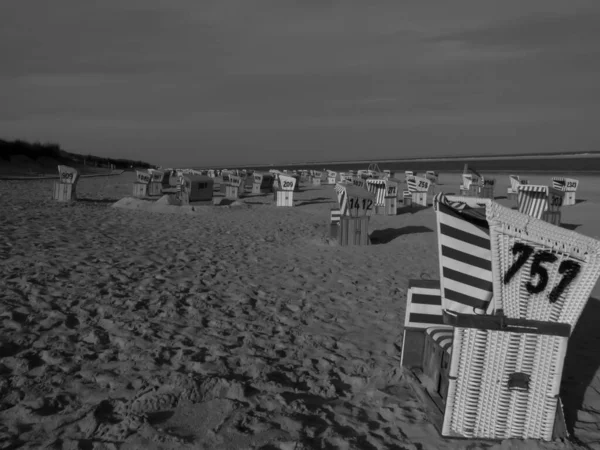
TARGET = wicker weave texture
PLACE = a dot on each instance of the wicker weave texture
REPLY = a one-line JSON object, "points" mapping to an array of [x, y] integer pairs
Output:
{"points": [[481, 403], [515, 297]]}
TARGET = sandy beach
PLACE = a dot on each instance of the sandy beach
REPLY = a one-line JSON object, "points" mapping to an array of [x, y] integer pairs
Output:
{"points": [[229, 327]]}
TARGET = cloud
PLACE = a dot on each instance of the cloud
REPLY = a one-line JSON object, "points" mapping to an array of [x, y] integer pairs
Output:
{"points": [[234, 75]]}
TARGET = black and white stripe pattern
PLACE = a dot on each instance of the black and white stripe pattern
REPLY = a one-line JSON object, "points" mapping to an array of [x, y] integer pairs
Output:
{"points": [[442, 336], [532, 199], [465, 256], [423, 304], [379, 188], [342, 198], [336, 216]]}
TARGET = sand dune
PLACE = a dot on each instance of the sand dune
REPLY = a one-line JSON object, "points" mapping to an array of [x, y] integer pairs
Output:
{"points": [[224, 327]]}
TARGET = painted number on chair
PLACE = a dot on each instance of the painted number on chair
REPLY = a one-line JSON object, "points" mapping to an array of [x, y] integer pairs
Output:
{"points": [[288, 184], [571, 184], [391, 190], [67, 176], [569, 270], [257, 179], [361, 204], [424, 184]]}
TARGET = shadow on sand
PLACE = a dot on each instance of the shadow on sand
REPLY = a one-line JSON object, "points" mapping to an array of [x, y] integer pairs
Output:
{"points": [[570, 226], [389, 234], [316, 201], [99, 200], [582, 362], [578, 200]]}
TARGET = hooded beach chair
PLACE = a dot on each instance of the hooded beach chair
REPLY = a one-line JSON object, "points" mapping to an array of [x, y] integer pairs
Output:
{"points": [[508, 346], [568, 186], [65, 189], [513, 190], [541, 202]]}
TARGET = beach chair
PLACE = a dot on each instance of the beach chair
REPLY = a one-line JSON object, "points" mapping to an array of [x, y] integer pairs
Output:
{"points": [[568, 186], [233, 188], [157, 181], [65, 189], [141, 184], [419, 188], [284, 195], [356, 205], [541, 202], [507, 347]]}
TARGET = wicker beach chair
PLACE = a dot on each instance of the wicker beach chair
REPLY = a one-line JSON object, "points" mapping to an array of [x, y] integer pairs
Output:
{"points": [[541, 202], [508, 346], [568, 186]]}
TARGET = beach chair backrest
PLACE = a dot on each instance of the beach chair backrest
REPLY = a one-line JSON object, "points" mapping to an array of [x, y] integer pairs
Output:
{"points": [[257, 178], [532, 199], [515, 181], [235, 180], [565, 184], [391, 189], [418, 184], [359, 182], [142, 177], [541, 271], [464, 254], [158, 176], [286, 182], [467, 180], [354, 201], [379, 188], [68, 175]]}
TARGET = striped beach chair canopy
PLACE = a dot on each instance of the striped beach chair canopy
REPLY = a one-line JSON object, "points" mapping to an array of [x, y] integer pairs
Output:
{"points": [[379, 188], [565, 184], [353, 200], [535, 199], [464, 254]]}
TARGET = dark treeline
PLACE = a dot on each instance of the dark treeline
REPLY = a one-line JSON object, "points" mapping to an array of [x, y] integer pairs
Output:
{"points": [[38, 150]]}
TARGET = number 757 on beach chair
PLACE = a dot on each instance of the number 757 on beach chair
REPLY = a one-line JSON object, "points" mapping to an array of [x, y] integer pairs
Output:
{"points": [[508, 308]]}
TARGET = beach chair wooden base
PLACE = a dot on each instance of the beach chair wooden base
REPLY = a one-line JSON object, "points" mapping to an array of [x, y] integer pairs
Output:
{"points": [[419, 199], [486, 192], [140, 190], [512, 196], [569, 199], [64, 192], [284, 198], [331, 180], [316, 182], [232, 192], [552, 217], [427, 356], [155, 189], [354, 231], [256, 189], [427, 393], [407, 202], [391, 206]]}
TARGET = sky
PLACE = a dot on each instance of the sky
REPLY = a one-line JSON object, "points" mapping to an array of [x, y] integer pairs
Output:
{"points": [[209, 82]]}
